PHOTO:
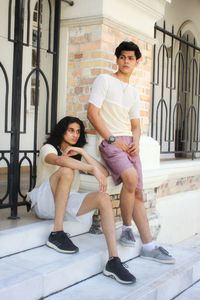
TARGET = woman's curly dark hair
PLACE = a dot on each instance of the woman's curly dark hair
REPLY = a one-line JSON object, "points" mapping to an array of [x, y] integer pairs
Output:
{"points": [[56, 136]]}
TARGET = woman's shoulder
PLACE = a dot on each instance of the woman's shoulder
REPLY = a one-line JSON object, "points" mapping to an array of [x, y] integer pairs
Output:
{"points": [[48, 148]]}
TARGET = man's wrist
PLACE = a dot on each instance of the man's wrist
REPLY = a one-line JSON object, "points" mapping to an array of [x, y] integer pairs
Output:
{"points": [[111, 139]]}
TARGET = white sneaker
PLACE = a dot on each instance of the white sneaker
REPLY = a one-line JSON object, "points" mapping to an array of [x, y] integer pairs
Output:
{"points": [[158, 254], [127, 238]]}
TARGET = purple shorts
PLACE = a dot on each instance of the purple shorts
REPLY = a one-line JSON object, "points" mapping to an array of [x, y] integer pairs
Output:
{"points": [[118, 161]]}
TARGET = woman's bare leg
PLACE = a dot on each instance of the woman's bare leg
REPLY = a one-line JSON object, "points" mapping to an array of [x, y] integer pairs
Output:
{"points": [[101, 201], [60, 183]]}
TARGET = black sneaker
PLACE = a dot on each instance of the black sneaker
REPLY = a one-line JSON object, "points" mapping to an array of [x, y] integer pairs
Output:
{"points": [[115, 269], [60, 241]]}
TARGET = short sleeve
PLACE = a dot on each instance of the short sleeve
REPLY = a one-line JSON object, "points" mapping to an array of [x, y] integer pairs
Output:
{"points": [[134, 112], [99, 90], [47, 149]]}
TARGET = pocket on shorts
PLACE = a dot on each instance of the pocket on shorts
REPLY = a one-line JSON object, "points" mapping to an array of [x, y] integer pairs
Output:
{"points": [[108, 150]]}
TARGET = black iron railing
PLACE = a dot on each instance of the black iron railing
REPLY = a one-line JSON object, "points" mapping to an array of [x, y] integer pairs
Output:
{"points": [[176, 93], [18, 162]]}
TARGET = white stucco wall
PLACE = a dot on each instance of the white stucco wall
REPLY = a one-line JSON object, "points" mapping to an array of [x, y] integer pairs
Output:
{"points": [[184, 11], [179, 216]]}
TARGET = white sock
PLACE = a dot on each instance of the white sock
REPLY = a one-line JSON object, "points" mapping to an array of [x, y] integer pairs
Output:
{"points": [[124, 227], [149, 246]]}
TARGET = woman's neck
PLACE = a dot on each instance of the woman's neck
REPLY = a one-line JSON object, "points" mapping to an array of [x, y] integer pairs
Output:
{"points": [[63, 146]]}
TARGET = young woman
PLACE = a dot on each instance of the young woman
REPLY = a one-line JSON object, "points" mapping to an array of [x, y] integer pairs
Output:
{"points": [[56, 193]]}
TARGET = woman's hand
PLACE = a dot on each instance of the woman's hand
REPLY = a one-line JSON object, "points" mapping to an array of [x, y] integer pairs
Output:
{"points": [[71, 151]]}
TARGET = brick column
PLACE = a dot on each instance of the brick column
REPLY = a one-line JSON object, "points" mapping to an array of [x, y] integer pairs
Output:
{"points": [[90, 53]]}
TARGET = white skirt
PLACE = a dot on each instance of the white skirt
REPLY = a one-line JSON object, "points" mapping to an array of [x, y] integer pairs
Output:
{"points": [[42, 203]]}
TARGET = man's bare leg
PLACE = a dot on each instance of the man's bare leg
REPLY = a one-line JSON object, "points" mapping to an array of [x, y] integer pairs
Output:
{"points": [[60, 183], [140, 218], [127, 195], [132, 207]]}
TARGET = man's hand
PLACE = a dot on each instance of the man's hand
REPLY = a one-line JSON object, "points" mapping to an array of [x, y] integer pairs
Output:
{"points": [[123, 146], [133, 149], [101, 179]]}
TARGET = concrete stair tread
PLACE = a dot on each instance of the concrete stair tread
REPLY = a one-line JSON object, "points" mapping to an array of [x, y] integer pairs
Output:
{"points": [[193, 293], [42, 271], [25, 237], [154, 281]]}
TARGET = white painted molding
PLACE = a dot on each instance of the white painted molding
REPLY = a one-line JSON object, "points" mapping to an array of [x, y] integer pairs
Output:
{"points": [[108, 21], [155, 7], [132, 16]]}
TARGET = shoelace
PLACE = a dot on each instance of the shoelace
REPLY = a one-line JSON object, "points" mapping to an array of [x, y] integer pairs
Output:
{"points": [[67, 234], [120, 262], [130, 235], [125, 265], [164, 251]]}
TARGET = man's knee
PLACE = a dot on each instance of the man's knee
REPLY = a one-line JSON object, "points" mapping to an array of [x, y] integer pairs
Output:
{"points": [[130, 180], [139, 195]]}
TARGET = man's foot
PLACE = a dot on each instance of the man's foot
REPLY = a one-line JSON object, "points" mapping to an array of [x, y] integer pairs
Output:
{"points": [[158, 254], [60, 241], [115, 269], [127, 238]]}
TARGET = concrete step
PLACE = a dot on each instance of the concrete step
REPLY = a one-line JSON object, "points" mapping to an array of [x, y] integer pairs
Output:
{"points": [[25, 237], [154, 281], [39, 272], [193, 293]]}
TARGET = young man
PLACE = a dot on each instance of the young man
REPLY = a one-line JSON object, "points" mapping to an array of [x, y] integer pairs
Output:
{"points": [[55, 195], [113, 110]]}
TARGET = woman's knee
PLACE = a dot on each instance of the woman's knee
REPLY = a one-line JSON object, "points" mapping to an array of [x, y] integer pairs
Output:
{"points": [[66, 173], [103, 200]]}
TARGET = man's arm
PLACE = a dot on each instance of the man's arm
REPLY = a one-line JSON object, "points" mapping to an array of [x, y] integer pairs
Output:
{"points": [[136, 130], [93, 114]]}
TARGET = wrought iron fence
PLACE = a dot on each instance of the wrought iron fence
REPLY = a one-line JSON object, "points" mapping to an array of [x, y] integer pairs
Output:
{"points": [[28, 96], [176, 93]]}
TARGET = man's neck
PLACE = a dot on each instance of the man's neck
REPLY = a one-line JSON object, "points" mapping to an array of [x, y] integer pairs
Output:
{"points": [[123, 77]]}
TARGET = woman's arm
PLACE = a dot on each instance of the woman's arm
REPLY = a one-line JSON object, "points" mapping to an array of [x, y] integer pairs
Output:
{"points": [[88, 158], [68, 162]]}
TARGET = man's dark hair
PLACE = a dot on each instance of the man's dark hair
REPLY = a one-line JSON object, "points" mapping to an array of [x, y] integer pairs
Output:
{"points": [[128, 46], [56, 136]]}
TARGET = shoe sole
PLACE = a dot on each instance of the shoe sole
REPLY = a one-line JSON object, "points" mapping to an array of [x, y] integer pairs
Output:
{"points": [[114, 276], [127, 245], [159, 260], [50, 245]]}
